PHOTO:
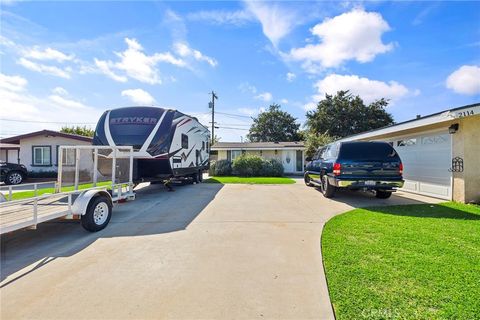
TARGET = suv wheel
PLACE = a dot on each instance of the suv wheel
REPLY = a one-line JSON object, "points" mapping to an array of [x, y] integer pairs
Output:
{"points": [[380, 194], [327, 189], [306, 178], [14, 177]]}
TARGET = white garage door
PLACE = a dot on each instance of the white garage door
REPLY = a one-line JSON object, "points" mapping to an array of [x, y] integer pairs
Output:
{"points": [[426, 159]]}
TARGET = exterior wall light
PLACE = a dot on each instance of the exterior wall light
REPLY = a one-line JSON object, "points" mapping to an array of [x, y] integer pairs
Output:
{"points": [[453, 128]]}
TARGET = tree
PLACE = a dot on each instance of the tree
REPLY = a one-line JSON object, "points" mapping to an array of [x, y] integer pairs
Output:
{"points": [[81, 131], [344, 114], [313, 141], [274, 125], [215, 139]]}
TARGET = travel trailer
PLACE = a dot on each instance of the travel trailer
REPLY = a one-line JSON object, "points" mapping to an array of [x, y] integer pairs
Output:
{"points": [[166, 143]]}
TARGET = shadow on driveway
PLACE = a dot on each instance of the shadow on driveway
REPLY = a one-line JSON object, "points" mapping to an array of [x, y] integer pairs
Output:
{"points": [[155, 211]]}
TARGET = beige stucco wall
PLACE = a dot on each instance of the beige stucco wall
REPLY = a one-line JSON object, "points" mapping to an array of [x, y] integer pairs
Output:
{"points": [[466, 145], [26, 151]]}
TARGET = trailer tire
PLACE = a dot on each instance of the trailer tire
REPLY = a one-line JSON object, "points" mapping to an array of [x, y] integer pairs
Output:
{"points": [[200, 176], [98, 214]]}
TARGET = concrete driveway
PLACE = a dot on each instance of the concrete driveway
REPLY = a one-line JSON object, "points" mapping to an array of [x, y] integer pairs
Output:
{"points": [[203, 252]]}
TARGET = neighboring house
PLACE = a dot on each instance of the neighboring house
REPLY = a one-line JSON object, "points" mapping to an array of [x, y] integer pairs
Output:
{"points": [[440, 152], [38, 151], [290, 154]]}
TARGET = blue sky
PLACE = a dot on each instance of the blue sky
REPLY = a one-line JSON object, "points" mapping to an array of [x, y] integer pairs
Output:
{"points": [[67, 62]]}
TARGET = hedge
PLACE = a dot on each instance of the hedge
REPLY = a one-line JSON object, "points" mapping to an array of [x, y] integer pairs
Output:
{"points": [[247, 166]]}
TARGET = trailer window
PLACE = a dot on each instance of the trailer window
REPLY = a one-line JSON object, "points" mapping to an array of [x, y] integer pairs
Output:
{"points": [[184, 141]]}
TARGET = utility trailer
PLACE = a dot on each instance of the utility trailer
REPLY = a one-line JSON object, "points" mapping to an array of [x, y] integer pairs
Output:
{"points": [[81, 190]]}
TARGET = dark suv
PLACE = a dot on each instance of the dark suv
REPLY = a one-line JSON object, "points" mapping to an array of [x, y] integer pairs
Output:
{"points": [[356, 165], [12, 173]]}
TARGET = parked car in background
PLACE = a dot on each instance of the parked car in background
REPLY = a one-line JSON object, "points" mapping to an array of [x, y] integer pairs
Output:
{"points": [[356, 165], [12, 173]]}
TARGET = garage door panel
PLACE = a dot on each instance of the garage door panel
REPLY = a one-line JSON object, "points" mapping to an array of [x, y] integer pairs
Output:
{"points": [[426, 160]]}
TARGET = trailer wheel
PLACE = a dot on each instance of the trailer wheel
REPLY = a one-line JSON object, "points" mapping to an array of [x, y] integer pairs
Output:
{"points": [[99, 212], [200, 176]]}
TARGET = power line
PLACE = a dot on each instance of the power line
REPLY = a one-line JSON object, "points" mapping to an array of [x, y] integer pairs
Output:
{"points": [[234, 115], [57, 122], [232, 128]]}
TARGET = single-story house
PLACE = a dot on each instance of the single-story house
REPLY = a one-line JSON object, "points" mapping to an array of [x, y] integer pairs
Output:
{"points": [[440, 152], [38, 151], [290, 154]]}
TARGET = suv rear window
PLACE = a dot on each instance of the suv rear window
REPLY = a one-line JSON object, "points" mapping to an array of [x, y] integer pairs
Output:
{"points": [[367, 151]]}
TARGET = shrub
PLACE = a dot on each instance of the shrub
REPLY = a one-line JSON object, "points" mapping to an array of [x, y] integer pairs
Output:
{"points": [[277, 168], [223, 168], [211, 168], [247, 165]]}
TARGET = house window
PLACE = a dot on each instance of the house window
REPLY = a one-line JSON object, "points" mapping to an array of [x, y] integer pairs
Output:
{"points": [[203, 145], [68, 158], [235, 154], [42, 155], [184, 141], [261, 153]]}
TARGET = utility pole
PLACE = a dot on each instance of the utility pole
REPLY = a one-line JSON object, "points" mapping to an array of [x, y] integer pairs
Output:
{"points": [[212, 106]]}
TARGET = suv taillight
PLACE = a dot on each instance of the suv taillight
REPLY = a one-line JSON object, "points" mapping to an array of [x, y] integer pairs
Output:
{"points": [[336, 169], [400, 168]]}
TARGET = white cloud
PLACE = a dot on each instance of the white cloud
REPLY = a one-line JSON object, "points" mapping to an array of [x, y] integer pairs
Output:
{"points": [[277, 21], [12, 83], [134, 63], [264, 96], [291, 76], [139, 96], [182, 49], [248, 111], [105, 68], [310, 106], [355, 35], [15, 96], [465, 80], [67, 103], [42, 68], [60, 91], [137, 64], [246, 87], [284, 101], [237, 17], [47, 54], [368, 90]]}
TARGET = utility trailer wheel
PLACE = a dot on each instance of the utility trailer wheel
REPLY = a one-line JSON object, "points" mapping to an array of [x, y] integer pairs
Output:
{"points": [[99, 212]]}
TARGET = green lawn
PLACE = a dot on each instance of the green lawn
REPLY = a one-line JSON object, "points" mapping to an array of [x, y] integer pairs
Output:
{"points": [[250, 180], [29, 194], [404, 262]]}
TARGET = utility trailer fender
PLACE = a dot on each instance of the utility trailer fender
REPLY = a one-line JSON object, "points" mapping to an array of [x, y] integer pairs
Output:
{"points": [[84, 199]]}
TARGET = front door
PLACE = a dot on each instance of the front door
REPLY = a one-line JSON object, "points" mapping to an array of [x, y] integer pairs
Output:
{"points": [[288, 161]]}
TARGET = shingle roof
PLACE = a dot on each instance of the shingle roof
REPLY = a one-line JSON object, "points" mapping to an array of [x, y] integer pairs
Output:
{"points": [[16, 139], [257, 145]]}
